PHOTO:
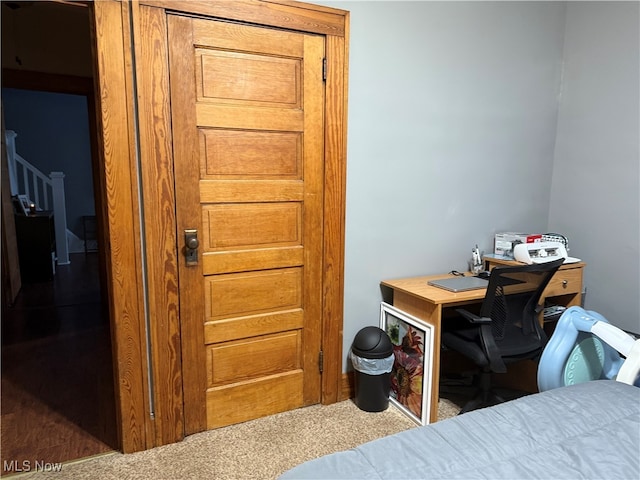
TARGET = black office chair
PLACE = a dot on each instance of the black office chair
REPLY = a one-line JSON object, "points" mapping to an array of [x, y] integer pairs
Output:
{"points": [[507, 329]]}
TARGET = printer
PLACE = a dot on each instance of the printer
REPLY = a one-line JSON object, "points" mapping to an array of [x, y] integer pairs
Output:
{"points": [[541, 252]]}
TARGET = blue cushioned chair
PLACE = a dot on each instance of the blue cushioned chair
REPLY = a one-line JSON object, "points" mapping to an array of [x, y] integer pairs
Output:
{"points": [[584, 347]]}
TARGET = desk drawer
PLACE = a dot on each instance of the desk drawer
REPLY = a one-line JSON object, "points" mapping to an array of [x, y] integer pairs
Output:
{"points": [[564, 282]]}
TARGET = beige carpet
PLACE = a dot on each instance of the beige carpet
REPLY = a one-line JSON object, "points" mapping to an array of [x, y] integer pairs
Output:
{"points": [[260, 449]]}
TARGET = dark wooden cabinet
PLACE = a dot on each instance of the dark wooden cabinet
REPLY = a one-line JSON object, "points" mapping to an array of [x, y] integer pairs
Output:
{"points": [[36, 246]]}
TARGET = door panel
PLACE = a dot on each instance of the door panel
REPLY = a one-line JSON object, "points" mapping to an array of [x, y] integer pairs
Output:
{"points": [[238, 225], [247, 117], [227, 68], [251, 399], [271, 354], [251, 293], [251, 154]]}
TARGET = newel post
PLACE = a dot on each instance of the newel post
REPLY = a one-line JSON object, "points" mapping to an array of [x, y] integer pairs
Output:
{"points": [[10, 139], [60, 217]]}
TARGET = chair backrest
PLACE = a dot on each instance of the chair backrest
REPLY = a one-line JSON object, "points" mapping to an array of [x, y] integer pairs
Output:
{"points": [[513, 296]]}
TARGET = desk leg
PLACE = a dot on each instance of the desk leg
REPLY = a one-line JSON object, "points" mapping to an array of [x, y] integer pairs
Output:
{"points": [[431, 314]]}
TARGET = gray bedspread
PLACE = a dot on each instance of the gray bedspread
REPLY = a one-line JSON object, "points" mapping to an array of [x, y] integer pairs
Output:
{"points": [[590, 430]]}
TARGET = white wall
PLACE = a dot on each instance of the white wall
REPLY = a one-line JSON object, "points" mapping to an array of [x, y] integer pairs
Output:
{"points": [[595, 196], [452, 121]]}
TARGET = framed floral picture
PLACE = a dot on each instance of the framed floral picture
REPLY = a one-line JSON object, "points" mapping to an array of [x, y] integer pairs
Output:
{"points": [[412, 341]]}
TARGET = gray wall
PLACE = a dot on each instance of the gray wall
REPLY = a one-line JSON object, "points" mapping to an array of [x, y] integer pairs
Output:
{"points": [[453, 110], [595, 194]]}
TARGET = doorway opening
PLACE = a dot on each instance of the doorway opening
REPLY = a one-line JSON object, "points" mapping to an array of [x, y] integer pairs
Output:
{"points": [[58, 401]]}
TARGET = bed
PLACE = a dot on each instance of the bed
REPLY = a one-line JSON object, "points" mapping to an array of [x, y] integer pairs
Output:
{"points": [[582, 430]]}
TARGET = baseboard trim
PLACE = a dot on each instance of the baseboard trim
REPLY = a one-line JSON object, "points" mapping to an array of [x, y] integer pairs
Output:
{"points": [[347, 389]]}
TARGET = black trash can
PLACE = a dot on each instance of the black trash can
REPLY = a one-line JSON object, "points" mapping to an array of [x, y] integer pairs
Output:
{"points": [[372, 358]]}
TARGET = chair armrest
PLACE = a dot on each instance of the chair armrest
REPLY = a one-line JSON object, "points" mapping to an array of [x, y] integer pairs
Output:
{"points": [[472, 317], [491, 350], [488, 342]]}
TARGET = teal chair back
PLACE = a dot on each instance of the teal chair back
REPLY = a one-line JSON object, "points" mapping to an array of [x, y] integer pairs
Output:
{"points": [[585, 347]]}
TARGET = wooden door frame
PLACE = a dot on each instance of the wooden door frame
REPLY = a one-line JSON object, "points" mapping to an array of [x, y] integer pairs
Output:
{"points": [[11, 278], [142, 258]]}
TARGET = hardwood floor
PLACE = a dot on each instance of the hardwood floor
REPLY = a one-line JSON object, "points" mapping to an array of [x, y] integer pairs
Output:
{"points": [[57, 379]]}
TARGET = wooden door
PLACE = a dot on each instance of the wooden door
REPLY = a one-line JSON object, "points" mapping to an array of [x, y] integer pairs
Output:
{"points": [[247, 120], [11, 279]]}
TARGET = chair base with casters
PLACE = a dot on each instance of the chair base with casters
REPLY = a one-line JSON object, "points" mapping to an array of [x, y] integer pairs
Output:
{"points": [[484, 396], [585, 347], [475, 390]]}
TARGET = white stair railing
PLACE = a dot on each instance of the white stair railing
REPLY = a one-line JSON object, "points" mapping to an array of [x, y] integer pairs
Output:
{"points": [[46, 192]]}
